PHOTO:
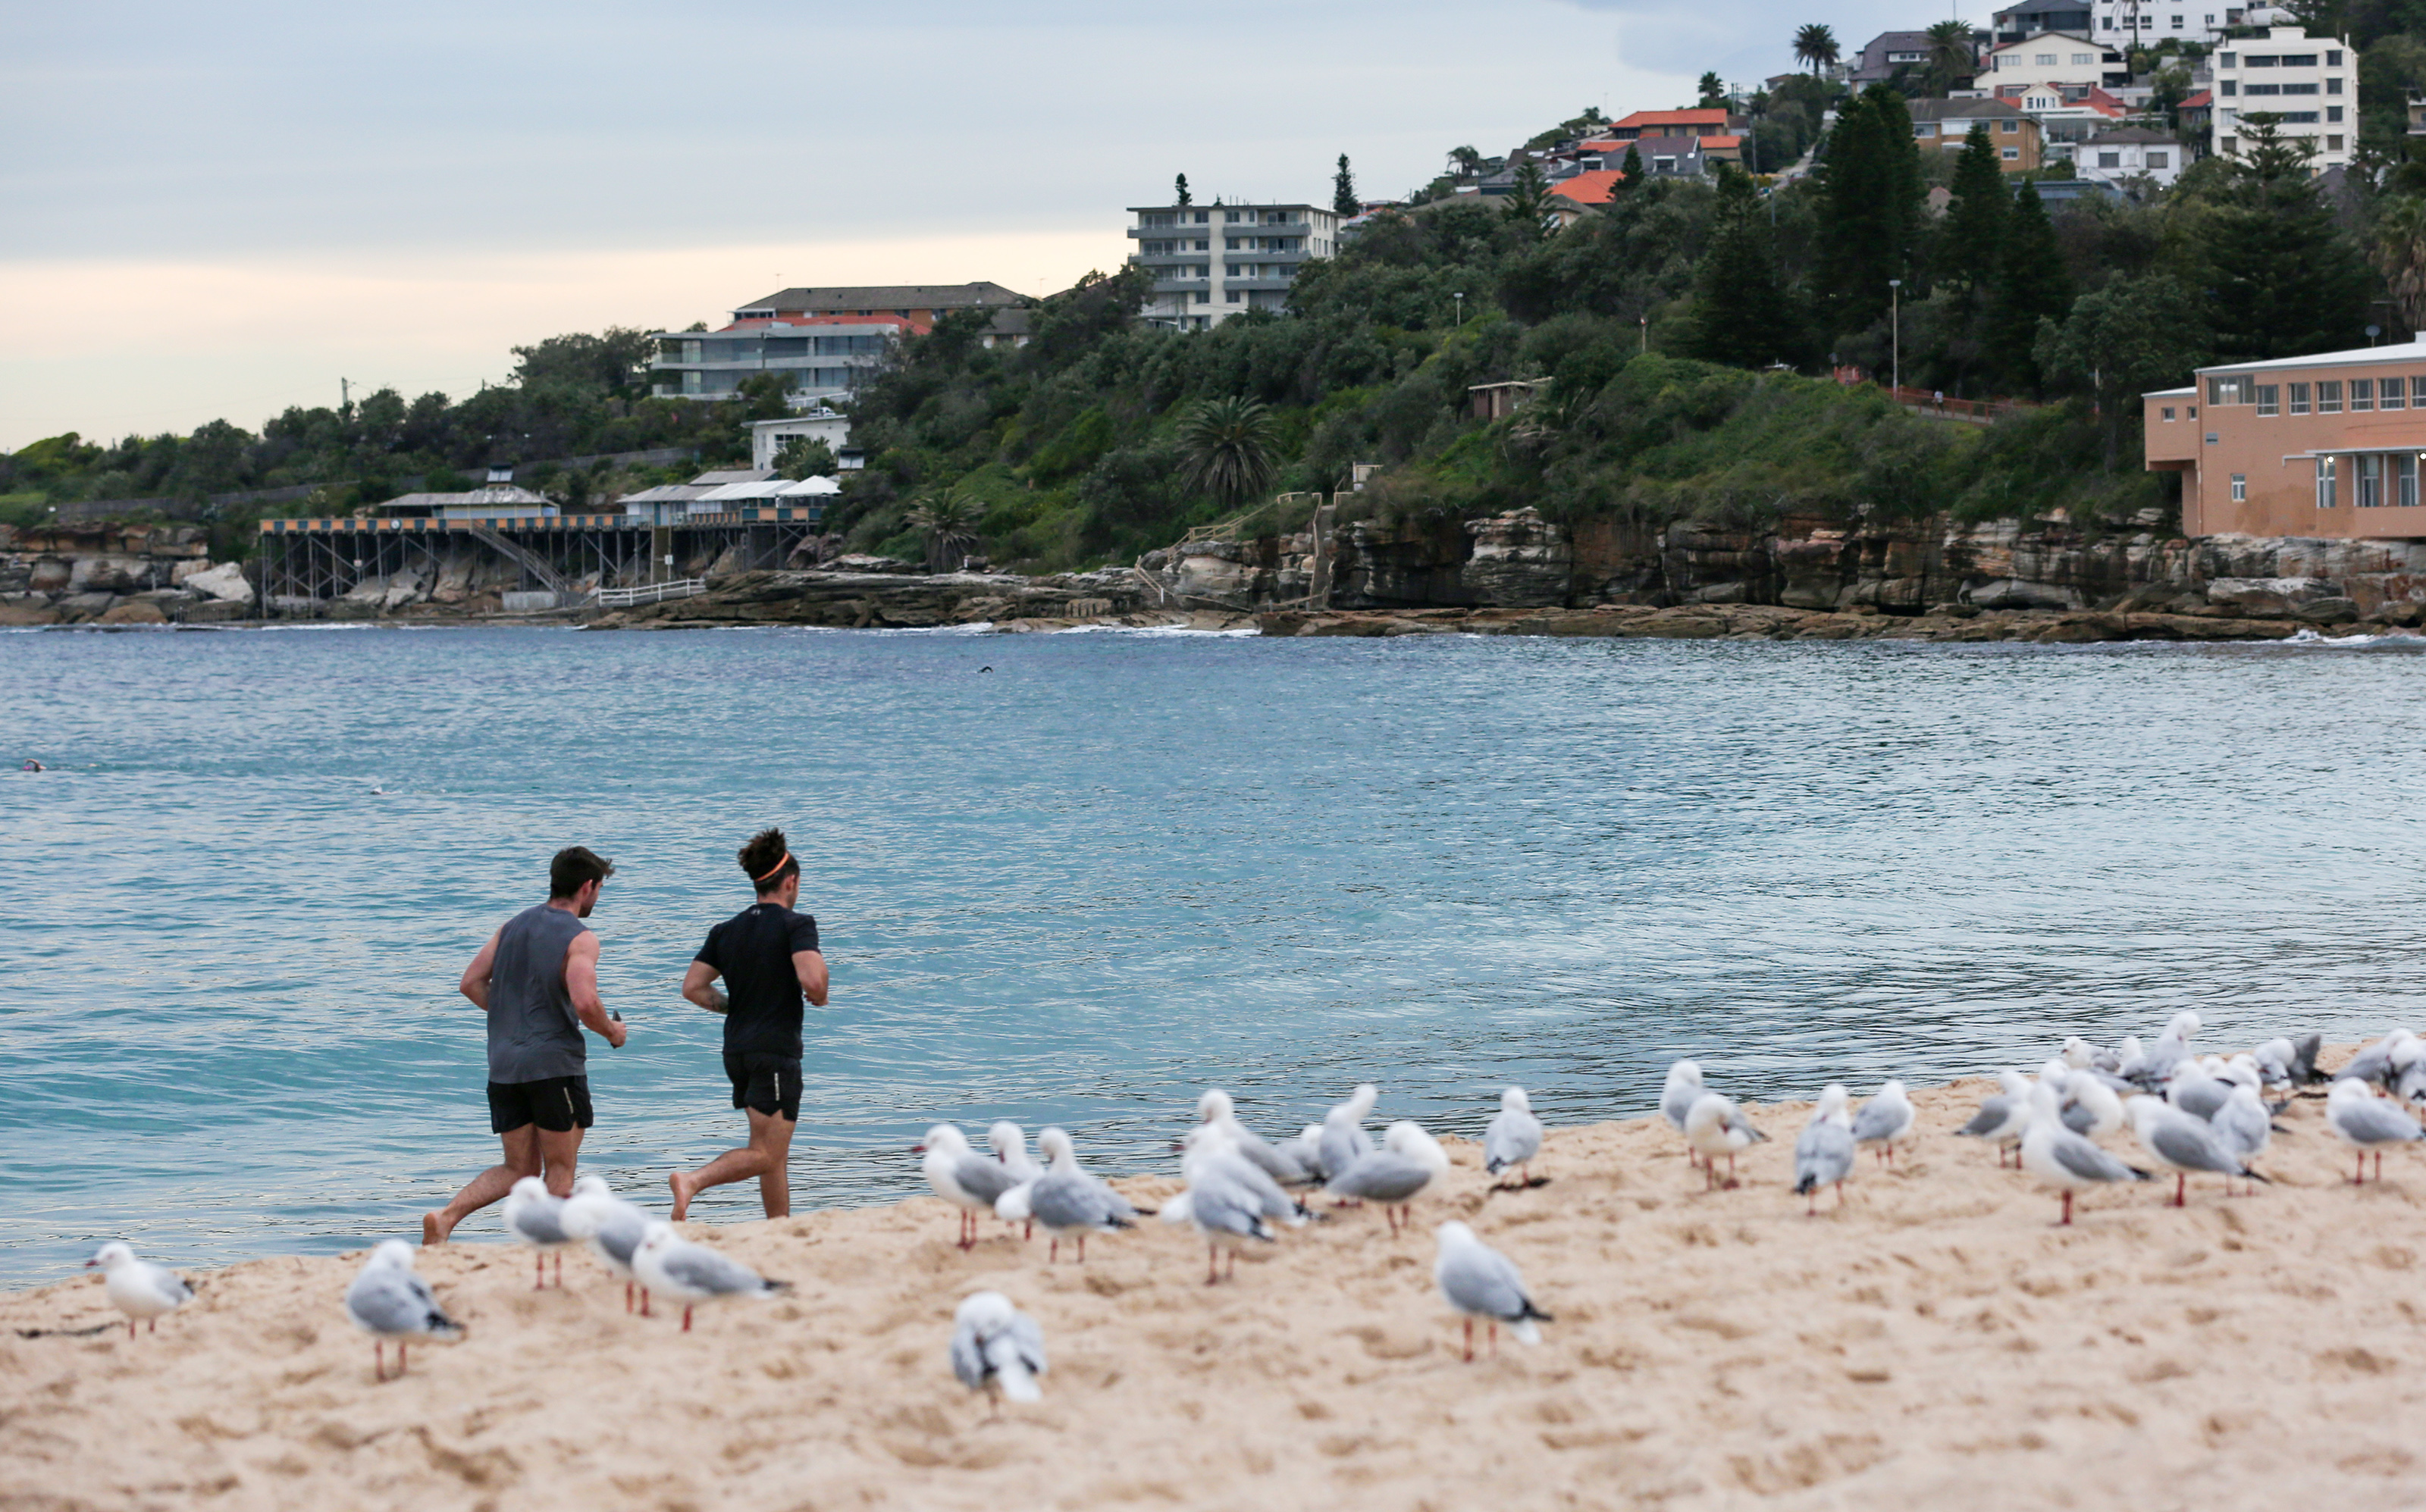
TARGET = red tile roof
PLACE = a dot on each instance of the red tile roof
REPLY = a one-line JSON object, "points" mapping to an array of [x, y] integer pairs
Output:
{"points": [[1675, 118], [1589, 188], [2199, 101]]}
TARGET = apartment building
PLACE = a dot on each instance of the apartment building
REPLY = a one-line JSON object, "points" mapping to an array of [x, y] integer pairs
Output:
{"points": [[2069, 63], [1946, 125], [2144, 21], [2327, 446], [2309, 84], [825, 341], [1211, 262]]}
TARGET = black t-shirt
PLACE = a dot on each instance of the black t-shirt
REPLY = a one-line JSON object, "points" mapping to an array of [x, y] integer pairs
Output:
{"points": [[753, 951]]}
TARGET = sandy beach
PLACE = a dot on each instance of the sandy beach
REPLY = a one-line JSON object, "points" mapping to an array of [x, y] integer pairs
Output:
{"points": [[1938, 1338]]}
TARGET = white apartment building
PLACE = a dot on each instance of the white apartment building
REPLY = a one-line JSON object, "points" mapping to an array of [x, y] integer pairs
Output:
{"points": [[1211, 262], [2309, 83], [2121, 22], [2122, 155]]}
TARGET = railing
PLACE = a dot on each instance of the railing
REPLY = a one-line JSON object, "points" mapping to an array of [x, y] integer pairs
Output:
{"points": [[1929, 404], [651, 593], [537, 566]]}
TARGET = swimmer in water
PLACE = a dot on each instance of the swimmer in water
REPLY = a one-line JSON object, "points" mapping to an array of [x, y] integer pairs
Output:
{"points": [[33, 765]]}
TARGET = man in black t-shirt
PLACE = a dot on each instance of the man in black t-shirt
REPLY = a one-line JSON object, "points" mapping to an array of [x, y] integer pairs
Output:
{"points": [[768, 957]]}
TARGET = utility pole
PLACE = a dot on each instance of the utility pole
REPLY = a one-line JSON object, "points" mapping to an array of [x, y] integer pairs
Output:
{"points": [[1895, 326], [345, 395]]}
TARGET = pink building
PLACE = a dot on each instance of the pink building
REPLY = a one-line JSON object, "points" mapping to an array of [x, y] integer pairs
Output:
{"points": [[2327, 446]]}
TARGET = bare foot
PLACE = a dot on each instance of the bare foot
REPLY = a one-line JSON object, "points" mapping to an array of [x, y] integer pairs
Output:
{"points": [[435, 1229], [684, 1191]]}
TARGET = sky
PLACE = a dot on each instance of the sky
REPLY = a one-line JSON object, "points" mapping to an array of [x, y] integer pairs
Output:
{"points": [[218, 212]]}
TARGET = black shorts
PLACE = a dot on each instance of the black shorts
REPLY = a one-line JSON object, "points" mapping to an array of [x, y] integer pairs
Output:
{"points": [[764, 1083], [556, 1104]]}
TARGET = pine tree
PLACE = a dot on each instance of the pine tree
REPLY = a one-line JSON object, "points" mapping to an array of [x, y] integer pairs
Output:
{"points": [[1741, 314], [1181, 189], [1871, 207], [2281, 282], [1343, 192], [1973, 232], [1632, 168], [2033, 283]]}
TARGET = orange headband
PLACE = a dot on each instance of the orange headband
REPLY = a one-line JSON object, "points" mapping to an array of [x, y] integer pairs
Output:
{"points": [[777, 867]]}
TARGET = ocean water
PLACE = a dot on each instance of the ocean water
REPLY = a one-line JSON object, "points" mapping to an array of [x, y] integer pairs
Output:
{"points": [[1076, 878]]}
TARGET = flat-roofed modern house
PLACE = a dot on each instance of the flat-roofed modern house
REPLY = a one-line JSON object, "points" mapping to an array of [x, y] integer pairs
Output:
{"points": [[824, 341], [2309, 83], [2121, 154], [2072, 63], [2327, 446], [1945, 124], [1212, 262], [2150, 21]]}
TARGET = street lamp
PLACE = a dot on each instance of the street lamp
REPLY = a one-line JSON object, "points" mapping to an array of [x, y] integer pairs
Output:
{"points": [[1460, 297], [1895, 328]]}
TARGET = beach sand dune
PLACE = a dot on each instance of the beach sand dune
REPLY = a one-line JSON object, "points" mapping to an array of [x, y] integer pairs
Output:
{"points": [[1939, 1341]]}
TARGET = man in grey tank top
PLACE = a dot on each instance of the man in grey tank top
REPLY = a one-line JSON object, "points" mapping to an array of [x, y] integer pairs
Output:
{"points": [[537, 978]]}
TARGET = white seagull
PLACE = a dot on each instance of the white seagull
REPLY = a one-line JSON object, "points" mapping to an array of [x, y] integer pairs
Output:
{"points": [[613, 1227], [1676, 1098], [996, 1349], [1717, 1127], [388, 1301], [962, 1177], [2003, 1117], [537, 1219], [2061, 1158], [2183, 1143], [1393, 1175], [2368, 1123], [1479, 1281], [1824, 1154], [138, 1287], [667, 1262], [1513, 1138], [1883, 1120], [1067, 1200]]}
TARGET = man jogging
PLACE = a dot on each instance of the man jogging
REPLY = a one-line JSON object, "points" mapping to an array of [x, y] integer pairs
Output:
{"points": [[768, 957], [538, 979]]}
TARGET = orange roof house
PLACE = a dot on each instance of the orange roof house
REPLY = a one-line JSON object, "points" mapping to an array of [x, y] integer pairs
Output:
{"points": [[1593, 187], [1712, 122]]}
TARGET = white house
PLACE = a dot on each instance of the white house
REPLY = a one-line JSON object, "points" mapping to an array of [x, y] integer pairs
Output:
{"points": [[2053, 57], [766, 437], [1212, 262], [2310, 84], [2124, 22], [2121, 154]]}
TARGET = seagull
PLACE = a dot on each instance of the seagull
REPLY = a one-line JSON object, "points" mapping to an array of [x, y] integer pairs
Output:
{"points": [[2183, 1143], [1479, 1281], [669, 1263], [2197, 1092], [1716, 1127], [1513, 1138], [996, 1349], [2243, 1125], [1823, 1155], [138, 1287], [1008, 1142], [2090, 1107], [1221, 1202], [1306, 1150], [2003, 1117], [1393, 1175], [2061, 1158], [1677, 1098], [1343, 1133], [1279, 1164], [2078, 1054], [388, 1301], [2129, 1059], [537, 1220], [2173, 1046], [2366, 1122], [1209, 1147], [962, 1177], [1884, 1119], [613, 1227], [2374, 1064], [1068, 1200]]}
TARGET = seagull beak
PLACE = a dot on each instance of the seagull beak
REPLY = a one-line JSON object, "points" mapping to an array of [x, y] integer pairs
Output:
{"points": [[918, 1149], [91, 1264]]}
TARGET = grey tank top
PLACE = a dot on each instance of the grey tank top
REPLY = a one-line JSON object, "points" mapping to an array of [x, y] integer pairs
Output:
{"points": [[533, 1035]]}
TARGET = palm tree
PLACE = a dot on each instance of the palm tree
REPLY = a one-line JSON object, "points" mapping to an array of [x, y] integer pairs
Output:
{"points": [[1951, 56], [1714, 91], [1228, 449], [1464, 161], [2401, 255], [949, 519], [1816, 45]]}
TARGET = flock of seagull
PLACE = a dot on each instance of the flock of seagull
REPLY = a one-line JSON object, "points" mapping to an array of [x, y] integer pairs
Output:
{"points": [[2190, 1115]]}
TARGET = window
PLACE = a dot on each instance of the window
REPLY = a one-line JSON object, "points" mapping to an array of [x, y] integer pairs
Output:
{"points": [[2080, 58], [1232, 296], [1230, 216], [2167, 413], [2177, 21], [2334, 114], [2298, 117], [2334, 58], [2391, 398], [2157, 160], [2405, 470], [2256, 60], [2228, 62], [2368, 469], [2299, 60], [2304, 89], [2013, 155], [1205, 296], [2110, 160], [2267, 88], [2329, 397], [2008, 127], [2324, 482], [2332, 87], [2210, 19], [2110, 24], [2231, 88], [2362, 394], [2232, 390], [2269, 399], [2333, 144], [2240, 488], [2193, 411], [1230, 244], [2299, 398], [1202, 217], [2045, 59]]}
